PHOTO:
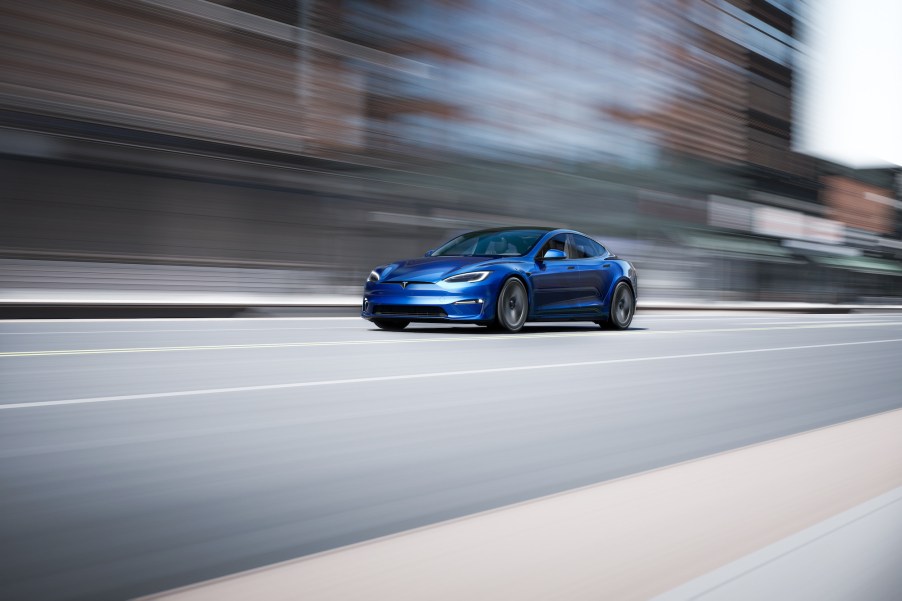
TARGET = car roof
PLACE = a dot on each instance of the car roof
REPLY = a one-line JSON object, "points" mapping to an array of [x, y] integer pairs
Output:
{"points": [[546, 230], [540, 228]]}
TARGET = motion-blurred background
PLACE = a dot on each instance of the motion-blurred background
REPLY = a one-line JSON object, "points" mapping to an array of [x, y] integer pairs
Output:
{"points": [[285, 147]]}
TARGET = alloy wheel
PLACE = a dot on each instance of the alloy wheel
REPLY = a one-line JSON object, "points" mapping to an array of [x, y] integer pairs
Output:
{"points": [[623, 307], [513, 305]]}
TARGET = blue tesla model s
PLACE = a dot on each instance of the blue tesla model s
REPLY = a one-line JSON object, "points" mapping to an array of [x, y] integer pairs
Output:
{"points": [[505, 277]]}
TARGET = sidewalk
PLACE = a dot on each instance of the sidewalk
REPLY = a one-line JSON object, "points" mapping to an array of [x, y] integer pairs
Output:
{"points": [[678, 531], [853, 555]]}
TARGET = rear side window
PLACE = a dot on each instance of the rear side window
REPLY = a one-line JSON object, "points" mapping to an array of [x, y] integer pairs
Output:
{"points": [[584, 248]]}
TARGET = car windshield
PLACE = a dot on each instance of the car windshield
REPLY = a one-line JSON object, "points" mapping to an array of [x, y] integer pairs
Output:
{"points": [[491, 243]]}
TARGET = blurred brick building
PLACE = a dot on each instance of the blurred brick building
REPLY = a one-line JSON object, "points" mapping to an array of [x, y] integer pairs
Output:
{"points": [[257, 133]]}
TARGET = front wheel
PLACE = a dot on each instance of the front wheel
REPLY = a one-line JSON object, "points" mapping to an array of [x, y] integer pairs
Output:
{"points": [[513, 306], [391, 324], [623, 307]]}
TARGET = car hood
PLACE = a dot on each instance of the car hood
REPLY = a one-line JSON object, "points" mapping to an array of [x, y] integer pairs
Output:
{"points": [[431, 269]]}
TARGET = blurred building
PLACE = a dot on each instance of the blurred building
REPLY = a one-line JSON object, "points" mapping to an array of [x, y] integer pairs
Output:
{"points": [[302, 141]]}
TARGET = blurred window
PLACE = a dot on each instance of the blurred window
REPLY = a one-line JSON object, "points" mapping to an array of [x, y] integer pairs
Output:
{"points": [[505, 243], [584, 248]]}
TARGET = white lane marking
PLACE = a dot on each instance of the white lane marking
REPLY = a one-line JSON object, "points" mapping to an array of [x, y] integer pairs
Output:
{"points": [[364, 325], [412, 340], [363, 322], [764, 317], [702, 314], [759, 321], [639, 315], [639, 318], [708, 317], [645, 314], [798, 323], [178, 319], [465, 372], [166, 331], [747, 322]]}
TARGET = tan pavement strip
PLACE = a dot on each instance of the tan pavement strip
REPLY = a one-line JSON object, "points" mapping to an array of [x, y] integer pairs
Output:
{"points": [[630, 538]]}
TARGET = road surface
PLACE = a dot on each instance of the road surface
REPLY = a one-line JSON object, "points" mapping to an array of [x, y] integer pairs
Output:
{"points": [[141, 455]]}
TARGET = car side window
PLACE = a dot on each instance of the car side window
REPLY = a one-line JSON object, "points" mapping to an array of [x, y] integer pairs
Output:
{"points": [[559, 242], [583, 248]]}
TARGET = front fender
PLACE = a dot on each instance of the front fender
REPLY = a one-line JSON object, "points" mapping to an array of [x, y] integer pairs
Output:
{"points": [[500, 279]]}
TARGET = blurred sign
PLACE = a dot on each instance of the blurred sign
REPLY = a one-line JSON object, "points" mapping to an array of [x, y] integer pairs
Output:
{"points": [[782, 223], [730, 213], [828, 231], [770, 221]]}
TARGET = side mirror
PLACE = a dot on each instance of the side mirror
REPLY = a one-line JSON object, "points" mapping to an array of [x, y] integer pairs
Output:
{"points": [[429, 253], [554, 254]]}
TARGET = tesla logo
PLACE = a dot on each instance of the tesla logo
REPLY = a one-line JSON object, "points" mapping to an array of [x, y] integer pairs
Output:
{"points": [[404, 284]]}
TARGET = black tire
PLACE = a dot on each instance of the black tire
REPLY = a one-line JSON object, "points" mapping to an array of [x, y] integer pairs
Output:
{"points": [[623, 307], [512, 307], [391, 324]]}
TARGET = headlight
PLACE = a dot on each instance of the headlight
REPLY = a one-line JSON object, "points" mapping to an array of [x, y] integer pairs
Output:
{"points": [[468, 278], [373, 277]]}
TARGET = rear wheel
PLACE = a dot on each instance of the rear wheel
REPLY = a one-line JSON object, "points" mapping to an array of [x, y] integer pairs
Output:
{"points": [[391, 324], [513, 306], [623, 307]]}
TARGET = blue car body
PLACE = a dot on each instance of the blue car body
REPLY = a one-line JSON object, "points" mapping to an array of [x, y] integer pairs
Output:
{"points": [[564, 286]]}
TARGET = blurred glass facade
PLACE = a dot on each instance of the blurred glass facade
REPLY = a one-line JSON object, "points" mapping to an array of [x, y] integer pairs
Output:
{"points": [[290, 146]]}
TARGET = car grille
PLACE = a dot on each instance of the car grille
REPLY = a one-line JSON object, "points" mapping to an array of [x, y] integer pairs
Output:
{"points": [[412, 310]]}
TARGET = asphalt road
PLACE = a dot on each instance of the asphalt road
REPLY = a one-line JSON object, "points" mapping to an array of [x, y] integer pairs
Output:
{"points": [[139, 455]]}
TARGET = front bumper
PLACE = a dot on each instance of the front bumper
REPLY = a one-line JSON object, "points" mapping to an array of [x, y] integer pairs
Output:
{"points": [[427, 302]]}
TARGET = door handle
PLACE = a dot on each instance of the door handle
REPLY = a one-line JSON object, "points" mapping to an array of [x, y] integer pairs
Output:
{"points": [[571, 267], [606, 265]]}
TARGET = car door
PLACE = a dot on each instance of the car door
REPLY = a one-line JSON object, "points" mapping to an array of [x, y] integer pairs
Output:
{"points": [[557, 285], [596, 271]]}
